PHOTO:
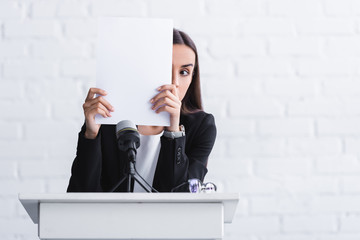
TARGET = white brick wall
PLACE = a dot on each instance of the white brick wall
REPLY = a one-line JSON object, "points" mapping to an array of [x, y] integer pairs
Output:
{"points": [[280, 76]]}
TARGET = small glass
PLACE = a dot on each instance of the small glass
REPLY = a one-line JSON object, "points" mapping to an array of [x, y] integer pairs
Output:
{"points": [[196, 186]]}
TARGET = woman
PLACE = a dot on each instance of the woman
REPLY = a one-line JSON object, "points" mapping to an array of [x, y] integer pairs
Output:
{"points": [[168, 156]]}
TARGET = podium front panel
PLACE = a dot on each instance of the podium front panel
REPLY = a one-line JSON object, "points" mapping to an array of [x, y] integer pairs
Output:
{"points": [[131, 220]]}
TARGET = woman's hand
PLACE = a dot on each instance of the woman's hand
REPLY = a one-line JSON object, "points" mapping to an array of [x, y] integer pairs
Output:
{"points": [[168, 101], [93, 106]]}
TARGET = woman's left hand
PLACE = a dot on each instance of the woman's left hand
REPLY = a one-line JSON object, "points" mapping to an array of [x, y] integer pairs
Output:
{"points": [[168, 101]]}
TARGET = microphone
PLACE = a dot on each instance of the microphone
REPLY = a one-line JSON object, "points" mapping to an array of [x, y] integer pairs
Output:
{"points": [[128, 138]]}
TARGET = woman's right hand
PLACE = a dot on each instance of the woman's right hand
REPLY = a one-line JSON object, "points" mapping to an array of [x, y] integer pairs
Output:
{"points": [[93, 106]]}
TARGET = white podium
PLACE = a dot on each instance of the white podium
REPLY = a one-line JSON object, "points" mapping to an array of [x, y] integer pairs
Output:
{"points": [[130, 215]]}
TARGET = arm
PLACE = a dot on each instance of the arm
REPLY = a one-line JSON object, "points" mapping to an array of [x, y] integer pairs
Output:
{"points": [[177, 164], [86, 168]]}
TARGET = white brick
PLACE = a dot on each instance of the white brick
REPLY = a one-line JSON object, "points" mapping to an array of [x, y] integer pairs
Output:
{"points": [[10, 9], [175, 8], [31, 28], [215, 106], [315, 223], [299, 8], [63, 49], [11, 90], [216, 68], [293, 236], [267, 26], [9, 49], [350, 184], [235, 47], [67, 152], [258, 225], [350, 223], [256, 147], [211, 26], [10, 131], [316, 107], [342, 46], [55, 89], [264, 67], [118, 8], [19, 226], [286, 127], [255, 107], [290, 87], [8, 208], [235, 8], [14, 187], [335, 204], [338, 127], [254, 185], [291, 46], [8, 169], [44, 8], [339, 236], [346, 8], [71, 8], [310, 185], [80, 27], [79, 68], [67, 111], [229, 127], [344, 66], [351, 106], [314, 146], [49, 169], [283, 166], [342, 87], [29, 68], [231, 232], [9, 150], [339, 164], [232, 87], [23, 110], [58, 185], [46, 131], [325, 26], [280, 205], [352, 146], [222, 167]]}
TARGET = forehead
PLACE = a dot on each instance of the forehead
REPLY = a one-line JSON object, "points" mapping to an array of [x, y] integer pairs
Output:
{"points": [[183, 54]]}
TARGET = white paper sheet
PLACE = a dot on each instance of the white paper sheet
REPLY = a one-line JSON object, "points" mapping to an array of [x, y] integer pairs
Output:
{"points": [[134, 57]]}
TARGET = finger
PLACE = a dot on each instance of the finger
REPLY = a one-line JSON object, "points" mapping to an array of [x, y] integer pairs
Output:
{"points": [[164, 94], [166, 108], [96, 111], [100, 99], [166, 101], [170, 87], [93, 91], [89, 116], [98, 106]]}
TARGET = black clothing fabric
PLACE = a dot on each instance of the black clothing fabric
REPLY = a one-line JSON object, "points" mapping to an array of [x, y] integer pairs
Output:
{"points": [[99, 165]]}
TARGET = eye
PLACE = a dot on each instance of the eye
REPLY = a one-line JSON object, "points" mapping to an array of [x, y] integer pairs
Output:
{"points": [[184, 72]]}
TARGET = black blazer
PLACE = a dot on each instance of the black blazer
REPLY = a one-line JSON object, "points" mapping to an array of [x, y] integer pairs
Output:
{"points": [[99, 165]]}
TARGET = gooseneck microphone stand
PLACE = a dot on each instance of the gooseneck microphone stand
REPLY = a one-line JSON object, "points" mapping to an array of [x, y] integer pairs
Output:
{"points": [[128, 140]]}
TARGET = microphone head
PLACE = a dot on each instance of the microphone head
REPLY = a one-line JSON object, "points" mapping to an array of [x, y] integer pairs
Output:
{"points": [[125, 125], [127, 136]]}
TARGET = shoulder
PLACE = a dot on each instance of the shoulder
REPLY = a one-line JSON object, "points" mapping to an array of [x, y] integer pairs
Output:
{"points": [[195, 117], [198, 122]]}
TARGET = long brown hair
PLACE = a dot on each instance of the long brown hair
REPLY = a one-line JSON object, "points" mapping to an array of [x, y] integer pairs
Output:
{"points": [[192, 99]]}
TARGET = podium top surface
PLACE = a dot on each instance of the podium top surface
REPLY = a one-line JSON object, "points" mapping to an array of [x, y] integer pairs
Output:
{"points": [[31, 202]]}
